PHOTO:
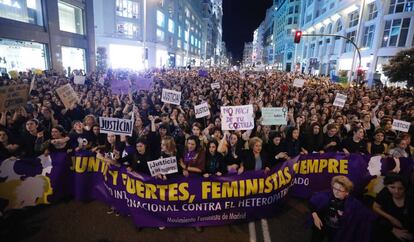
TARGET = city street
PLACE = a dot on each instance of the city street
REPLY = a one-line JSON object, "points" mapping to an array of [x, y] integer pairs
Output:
{"points": [[75, 221]]}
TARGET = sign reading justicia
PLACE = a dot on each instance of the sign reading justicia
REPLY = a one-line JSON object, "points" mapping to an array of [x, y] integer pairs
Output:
{"points": [[116, 126]]}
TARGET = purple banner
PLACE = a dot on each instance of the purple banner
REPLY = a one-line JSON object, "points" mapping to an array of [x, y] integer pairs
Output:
{"points": [[203, 73], [143, 83], [120, 86], [180, 201]]}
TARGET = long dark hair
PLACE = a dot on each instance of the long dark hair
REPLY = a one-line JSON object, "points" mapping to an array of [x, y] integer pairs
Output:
{"points": [[197, 142]]}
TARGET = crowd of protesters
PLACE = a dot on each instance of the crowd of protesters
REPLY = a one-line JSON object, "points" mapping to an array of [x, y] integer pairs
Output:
{"points": [[314, 124]]}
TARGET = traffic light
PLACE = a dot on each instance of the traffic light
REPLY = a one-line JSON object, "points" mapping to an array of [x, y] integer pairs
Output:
{"points": [[360, 72], [298, 34]]}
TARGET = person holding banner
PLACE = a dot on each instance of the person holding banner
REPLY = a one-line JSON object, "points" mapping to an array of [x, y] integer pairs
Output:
{"points": [[331, 140], [378, 146], [193, 160], [59, 141], [395, 207], [8, 147], [137, 161], [231, 147], [314, 139], [255, 158], [214, 160], [276, 149], [339, 217], [356, 143]]}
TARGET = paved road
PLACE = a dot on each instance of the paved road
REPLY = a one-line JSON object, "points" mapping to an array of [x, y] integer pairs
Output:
{"points": [[75, 221]]}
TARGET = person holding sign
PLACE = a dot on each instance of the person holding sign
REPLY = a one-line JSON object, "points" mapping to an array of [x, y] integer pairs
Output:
{"points": [[214, 160], [255, 158], [193, 160]]}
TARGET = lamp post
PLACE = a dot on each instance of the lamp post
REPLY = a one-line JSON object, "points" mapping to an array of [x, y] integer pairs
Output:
{"points": [[144, 36]]}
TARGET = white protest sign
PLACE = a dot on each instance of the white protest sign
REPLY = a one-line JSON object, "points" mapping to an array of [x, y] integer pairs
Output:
{"points": [[201, 110], [274, 116], [400, 125], [215, 85], [171, 96], [80, 80], [67, 95], [237, 117], [340, 100], [101, 81], [298, 82], [163, 166], [116, 126]]}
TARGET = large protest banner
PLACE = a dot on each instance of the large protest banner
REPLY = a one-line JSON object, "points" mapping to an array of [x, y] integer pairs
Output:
{"points": [[13, 96], [237, 117], [179, 201], [274, 116], [171, 96], [116, 126], [67, 95], [201, 110], [163, 166]]}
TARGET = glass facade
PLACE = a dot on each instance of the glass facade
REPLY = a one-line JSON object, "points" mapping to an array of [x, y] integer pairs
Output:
{"points": [[14, 55], [70, 18], [127, 29], [127, 8], [27, 11], [73, 58]]}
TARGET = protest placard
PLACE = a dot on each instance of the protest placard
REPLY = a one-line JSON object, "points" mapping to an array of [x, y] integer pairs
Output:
{"points": [[237, 117], [79, 80], [120, 86], [274, 116], [67, 95], [13, 96], [340, 100], [101, 80], [143, 83], [163, 166], [116, 126], [298, 83], [202, 110], [215, 85], [400, 125], [171, 96]]}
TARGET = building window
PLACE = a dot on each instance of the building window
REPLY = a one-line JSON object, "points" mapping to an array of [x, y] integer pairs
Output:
{"points": [[73, 58], [368, 36], [70, 18], [297, 9], [398, 6], [290, 9], [160, 35], [179, 44], [180, 32], [338, 25], [170, 26], [127, 29], [372, 11], [192, 40], [308, 18], [348, 45], [127, 8], [289, 21], [186, 36], [27, 11], [295, 20], [160, 19], [289, 55], [22, 55], [395, 31], [305, 52], [353, 19]]}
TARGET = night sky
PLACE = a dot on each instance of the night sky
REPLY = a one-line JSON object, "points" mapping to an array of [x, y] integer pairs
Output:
{"points": [[240, 19]]}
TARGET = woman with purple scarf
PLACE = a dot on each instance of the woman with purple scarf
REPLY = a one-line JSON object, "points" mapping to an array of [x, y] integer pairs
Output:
{"points": [[339, 217]]}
